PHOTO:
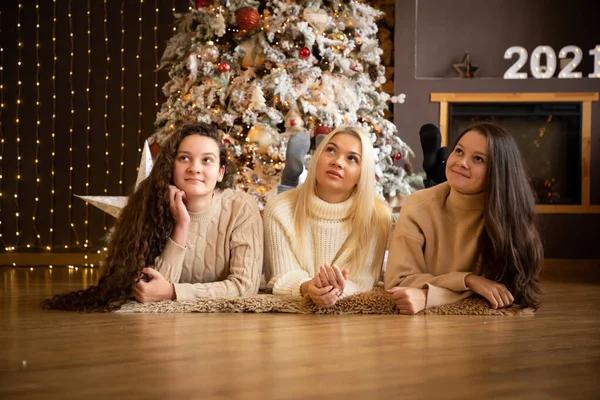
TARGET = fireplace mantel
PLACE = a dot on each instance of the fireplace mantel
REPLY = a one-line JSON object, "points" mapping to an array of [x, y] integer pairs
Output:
{"points": [[584, 98]]}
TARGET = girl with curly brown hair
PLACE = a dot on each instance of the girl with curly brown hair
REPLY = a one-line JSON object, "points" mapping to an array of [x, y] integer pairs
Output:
{"points": [[183, 234]]}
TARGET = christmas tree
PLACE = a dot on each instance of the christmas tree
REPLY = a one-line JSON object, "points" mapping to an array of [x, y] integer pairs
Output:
{"points": [[264, 72]]}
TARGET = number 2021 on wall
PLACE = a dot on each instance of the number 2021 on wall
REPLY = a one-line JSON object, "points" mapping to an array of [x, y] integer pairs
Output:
{"points": [[547, 71]]}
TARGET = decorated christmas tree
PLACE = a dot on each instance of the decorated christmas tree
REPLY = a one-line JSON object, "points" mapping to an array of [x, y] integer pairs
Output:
{"points": [[265, 72]]}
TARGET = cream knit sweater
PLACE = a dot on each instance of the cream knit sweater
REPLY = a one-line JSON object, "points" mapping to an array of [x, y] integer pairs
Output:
{"points": [[224, 252], [435, 243], [329, 227]]}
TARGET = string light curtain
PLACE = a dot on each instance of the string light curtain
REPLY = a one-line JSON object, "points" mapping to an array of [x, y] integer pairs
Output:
{"points": [[37, 126], [52, 199], [18, 127], [1, 125], [105, 115], [79, 95]]}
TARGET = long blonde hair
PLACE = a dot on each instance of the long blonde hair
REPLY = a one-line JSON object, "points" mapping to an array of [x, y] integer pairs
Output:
{"points": [[370, 215]]}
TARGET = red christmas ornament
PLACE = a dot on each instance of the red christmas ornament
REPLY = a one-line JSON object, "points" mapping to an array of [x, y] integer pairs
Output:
{"points": [[397, 156], [201, 3], [322, 130], [224, 66], [304, 53], [154, 149], [248, 18]]}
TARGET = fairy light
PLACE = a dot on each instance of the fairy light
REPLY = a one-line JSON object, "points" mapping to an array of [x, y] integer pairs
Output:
{"points": [[72, 91], [139, 94], [37, 125], [88, 128], [106, 83], [53, 133], [121, 169], [18, 175], [156, 65], [173, 9]]}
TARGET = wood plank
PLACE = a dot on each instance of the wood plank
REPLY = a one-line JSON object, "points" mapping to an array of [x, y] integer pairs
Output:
{"points": [[567, 209]]}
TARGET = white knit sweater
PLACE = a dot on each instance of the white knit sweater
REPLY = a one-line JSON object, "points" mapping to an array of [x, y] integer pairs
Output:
{"points": [[329, 227]]}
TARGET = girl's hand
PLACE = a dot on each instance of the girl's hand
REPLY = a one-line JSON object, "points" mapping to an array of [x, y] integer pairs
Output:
{"points": [[322, 296], [332, 275], [496, 293], [408, 300], [177, 206], [156, 289]]}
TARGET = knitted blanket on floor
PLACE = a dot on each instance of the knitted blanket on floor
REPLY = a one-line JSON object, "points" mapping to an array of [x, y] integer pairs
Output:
{"points": [[373, 302]]}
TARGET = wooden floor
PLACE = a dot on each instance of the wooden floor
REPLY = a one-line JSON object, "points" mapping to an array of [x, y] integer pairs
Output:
{"points": [[58, 355]]}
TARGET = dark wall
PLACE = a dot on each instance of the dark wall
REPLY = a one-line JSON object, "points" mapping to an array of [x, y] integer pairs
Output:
{"points": [[432, 35], [27, 112], [486, 28]]}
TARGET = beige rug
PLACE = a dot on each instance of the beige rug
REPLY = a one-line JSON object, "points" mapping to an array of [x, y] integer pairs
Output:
{"points": [[373, 302]]}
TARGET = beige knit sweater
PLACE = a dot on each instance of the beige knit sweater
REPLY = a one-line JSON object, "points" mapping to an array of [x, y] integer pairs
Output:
{"points": [[224, 252], [435, 243], [329, 226]]}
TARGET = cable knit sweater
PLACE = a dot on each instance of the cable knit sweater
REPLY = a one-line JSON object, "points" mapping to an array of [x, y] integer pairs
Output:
{"points": [[224, 251], [435, 243], [329, 225]]}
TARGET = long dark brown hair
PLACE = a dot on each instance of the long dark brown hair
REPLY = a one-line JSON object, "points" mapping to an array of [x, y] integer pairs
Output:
{"points": [[141, 231], [510, 246]]}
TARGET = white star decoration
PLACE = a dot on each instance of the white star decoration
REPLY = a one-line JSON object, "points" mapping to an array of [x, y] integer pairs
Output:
{"points": [[114, 204]]}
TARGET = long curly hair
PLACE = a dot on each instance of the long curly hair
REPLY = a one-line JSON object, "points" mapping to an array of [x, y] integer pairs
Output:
{"points": [[510, 246], [141, 230]]}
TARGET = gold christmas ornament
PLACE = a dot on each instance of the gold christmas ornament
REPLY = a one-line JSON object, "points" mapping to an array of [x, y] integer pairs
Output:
{"points": [[339, 36], [263, 136]]}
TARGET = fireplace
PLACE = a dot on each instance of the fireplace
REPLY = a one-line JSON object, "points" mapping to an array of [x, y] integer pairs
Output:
{"points": [[548, 135], [553, 134]]}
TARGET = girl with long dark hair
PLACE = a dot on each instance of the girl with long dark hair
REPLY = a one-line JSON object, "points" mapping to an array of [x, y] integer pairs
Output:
{"points": [[183, 234], [473, 233]]}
